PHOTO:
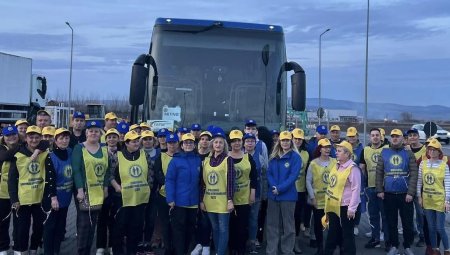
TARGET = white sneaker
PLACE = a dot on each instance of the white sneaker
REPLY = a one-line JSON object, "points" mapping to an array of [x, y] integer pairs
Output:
{"points": [[356, 231], [18, 253], [205, 250], [100, 251], [382, 236], [368, 234], [393, 251], [408, 251], [3, 252], [197, 250]]}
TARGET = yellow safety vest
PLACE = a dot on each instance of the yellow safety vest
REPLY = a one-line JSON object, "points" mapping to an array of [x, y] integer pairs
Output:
{"points": [[95, 169], [4, 194], [31, 178], [165, 160], [320, 180], [300, 183], [421, 153], [133, 174], [371, 156], [433, 186], [242, 192], [215, 179], [335, 189]]}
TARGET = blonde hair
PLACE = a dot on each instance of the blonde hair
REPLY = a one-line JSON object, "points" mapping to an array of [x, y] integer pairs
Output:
{"points": [[225, 144], [278, 151]]}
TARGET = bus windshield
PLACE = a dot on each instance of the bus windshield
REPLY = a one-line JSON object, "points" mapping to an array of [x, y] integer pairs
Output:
{"points": [[217, 76]]}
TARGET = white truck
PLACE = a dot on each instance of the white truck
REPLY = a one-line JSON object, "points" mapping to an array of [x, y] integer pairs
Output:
{"points": [[22, 93]]}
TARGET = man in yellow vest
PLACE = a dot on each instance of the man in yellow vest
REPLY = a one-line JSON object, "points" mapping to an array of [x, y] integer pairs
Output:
{"points": [[28, 182]]}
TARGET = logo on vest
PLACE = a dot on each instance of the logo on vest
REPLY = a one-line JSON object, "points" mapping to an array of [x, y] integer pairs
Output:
{"points": [[375, 157], [333, 180], [99, 170], [33, 168], [135, 171], [396, 160], [429, 178], [286, 164], [238, 173], [325, 177], [213, 178], [68, 171]]}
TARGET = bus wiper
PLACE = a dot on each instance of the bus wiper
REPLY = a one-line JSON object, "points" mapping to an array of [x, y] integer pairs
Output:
{"points": [[216, 24]]}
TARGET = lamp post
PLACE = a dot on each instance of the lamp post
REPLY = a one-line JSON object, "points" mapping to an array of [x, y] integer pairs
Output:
{"points": [[320, 70], [367, 72], [70, 79]]}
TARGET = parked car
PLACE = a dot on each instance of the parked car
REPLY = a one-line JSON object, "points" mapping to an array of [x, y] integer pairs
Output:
{"points": [[442, 135]]}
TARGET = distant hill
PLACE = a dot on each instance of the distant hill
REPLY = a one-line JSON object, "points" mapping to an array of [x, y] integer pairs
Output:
{"points": [[384, 110]]}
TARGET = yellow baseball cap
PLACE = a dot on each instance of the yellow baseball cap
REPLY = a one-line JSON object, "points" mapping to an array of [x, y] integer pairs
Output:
{"points": [[324, 142], [61, 131], [382, 132], [131, 135], [134, 126], [20, 122], [147, 133], [396, 132], [112, 131], [188, 136], [144, 125], [33, 129], [285, 135], [435, 144], [346, 145], [429, 139], [206, 133], [49, 130], [110, 116], [335, 128], [298, 133], [40, 112], [351, 131], [236, 134]]}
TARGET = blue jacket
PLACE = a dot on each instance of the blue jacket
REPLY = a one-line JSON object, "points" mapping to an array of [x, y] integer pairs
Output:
{"points": [[282, 173], [183, 179]]}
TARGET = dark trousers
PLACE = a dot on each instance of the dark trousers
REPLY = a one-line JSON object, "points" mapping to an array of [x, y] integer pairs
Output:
{"points": [[262, 220], [86, 224], [340, 233], [5, 209], [393, 205], [163, 213], [302, 212], [129, 223], [203, 231], [426, 233], [151, 211], [182, 222], [54, 230], [318, 228], [105, 223], [239, 228], [23, 220]]}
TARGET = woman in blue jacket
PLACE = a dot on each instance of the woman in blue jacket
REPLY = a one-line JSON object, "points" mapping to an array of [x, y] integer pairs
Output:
{"points": [[284, 167], [182, 190]]}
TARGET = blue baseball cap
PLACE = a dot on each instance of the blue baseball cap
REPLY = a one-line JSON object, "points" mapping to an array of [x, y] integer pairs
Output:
{"points": [[274, 131], [250, 123], [196, 127], [172, 138], [412, 131], [210, 128], [321, 129], [79, 115], [218, 132], [93, 124], [10, 130], [123, 127], [246, 136], [163, 132], [183, 130]]}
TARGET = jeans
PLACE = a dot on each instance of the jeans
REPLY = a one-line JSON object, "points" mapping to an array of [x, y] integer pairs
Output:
{"points": [[419, 217], [219, 224], [253, 221], [393, 205], [436, 224], [375, 208]]}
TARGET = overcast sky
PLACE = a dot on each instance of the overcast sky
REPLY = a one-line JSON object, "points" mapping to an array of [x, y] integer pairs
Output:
{"points": [[409, 52]]}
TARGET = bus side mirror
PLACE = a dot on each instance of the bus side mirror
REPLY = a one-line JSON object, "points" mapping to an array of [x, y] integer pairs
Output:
{"points": [[138, 83], [298, 82]]}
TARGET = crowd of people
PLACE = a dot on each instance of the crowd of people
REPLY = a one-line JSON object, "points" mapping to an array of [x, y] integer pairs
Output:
{"points": [[201, 192]]}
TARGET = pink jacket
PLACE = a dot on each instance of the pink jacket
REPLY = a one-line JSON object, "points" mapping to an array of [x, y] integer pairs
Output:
{"points": [[351, 196]]}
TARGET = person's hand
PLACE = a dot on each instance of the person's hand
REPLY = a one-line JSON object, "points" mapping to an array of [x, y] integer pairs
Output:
{"points": [[447, 207], [16, 206], [230, 206], [408, 198], [118, 188], [55, 203], [274, 190], [105, 192], [350, 214], [251, 199], [381, 195], [80, 196], [171, 204], [314, 202], [419, 200], [202, 206], [35, 155]]}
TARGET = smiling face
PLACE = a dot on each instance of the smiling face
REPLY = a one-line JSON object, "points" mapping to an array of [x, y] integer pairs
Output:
{"points": [[132, 145], [33, 140], [188, 145], [62, 141]]}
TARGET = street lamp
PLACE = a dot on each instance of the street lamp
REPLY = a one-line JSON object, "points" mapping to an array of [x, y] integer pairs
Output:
{"points": [[367, 73], [70, 79], [320, 71]]}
